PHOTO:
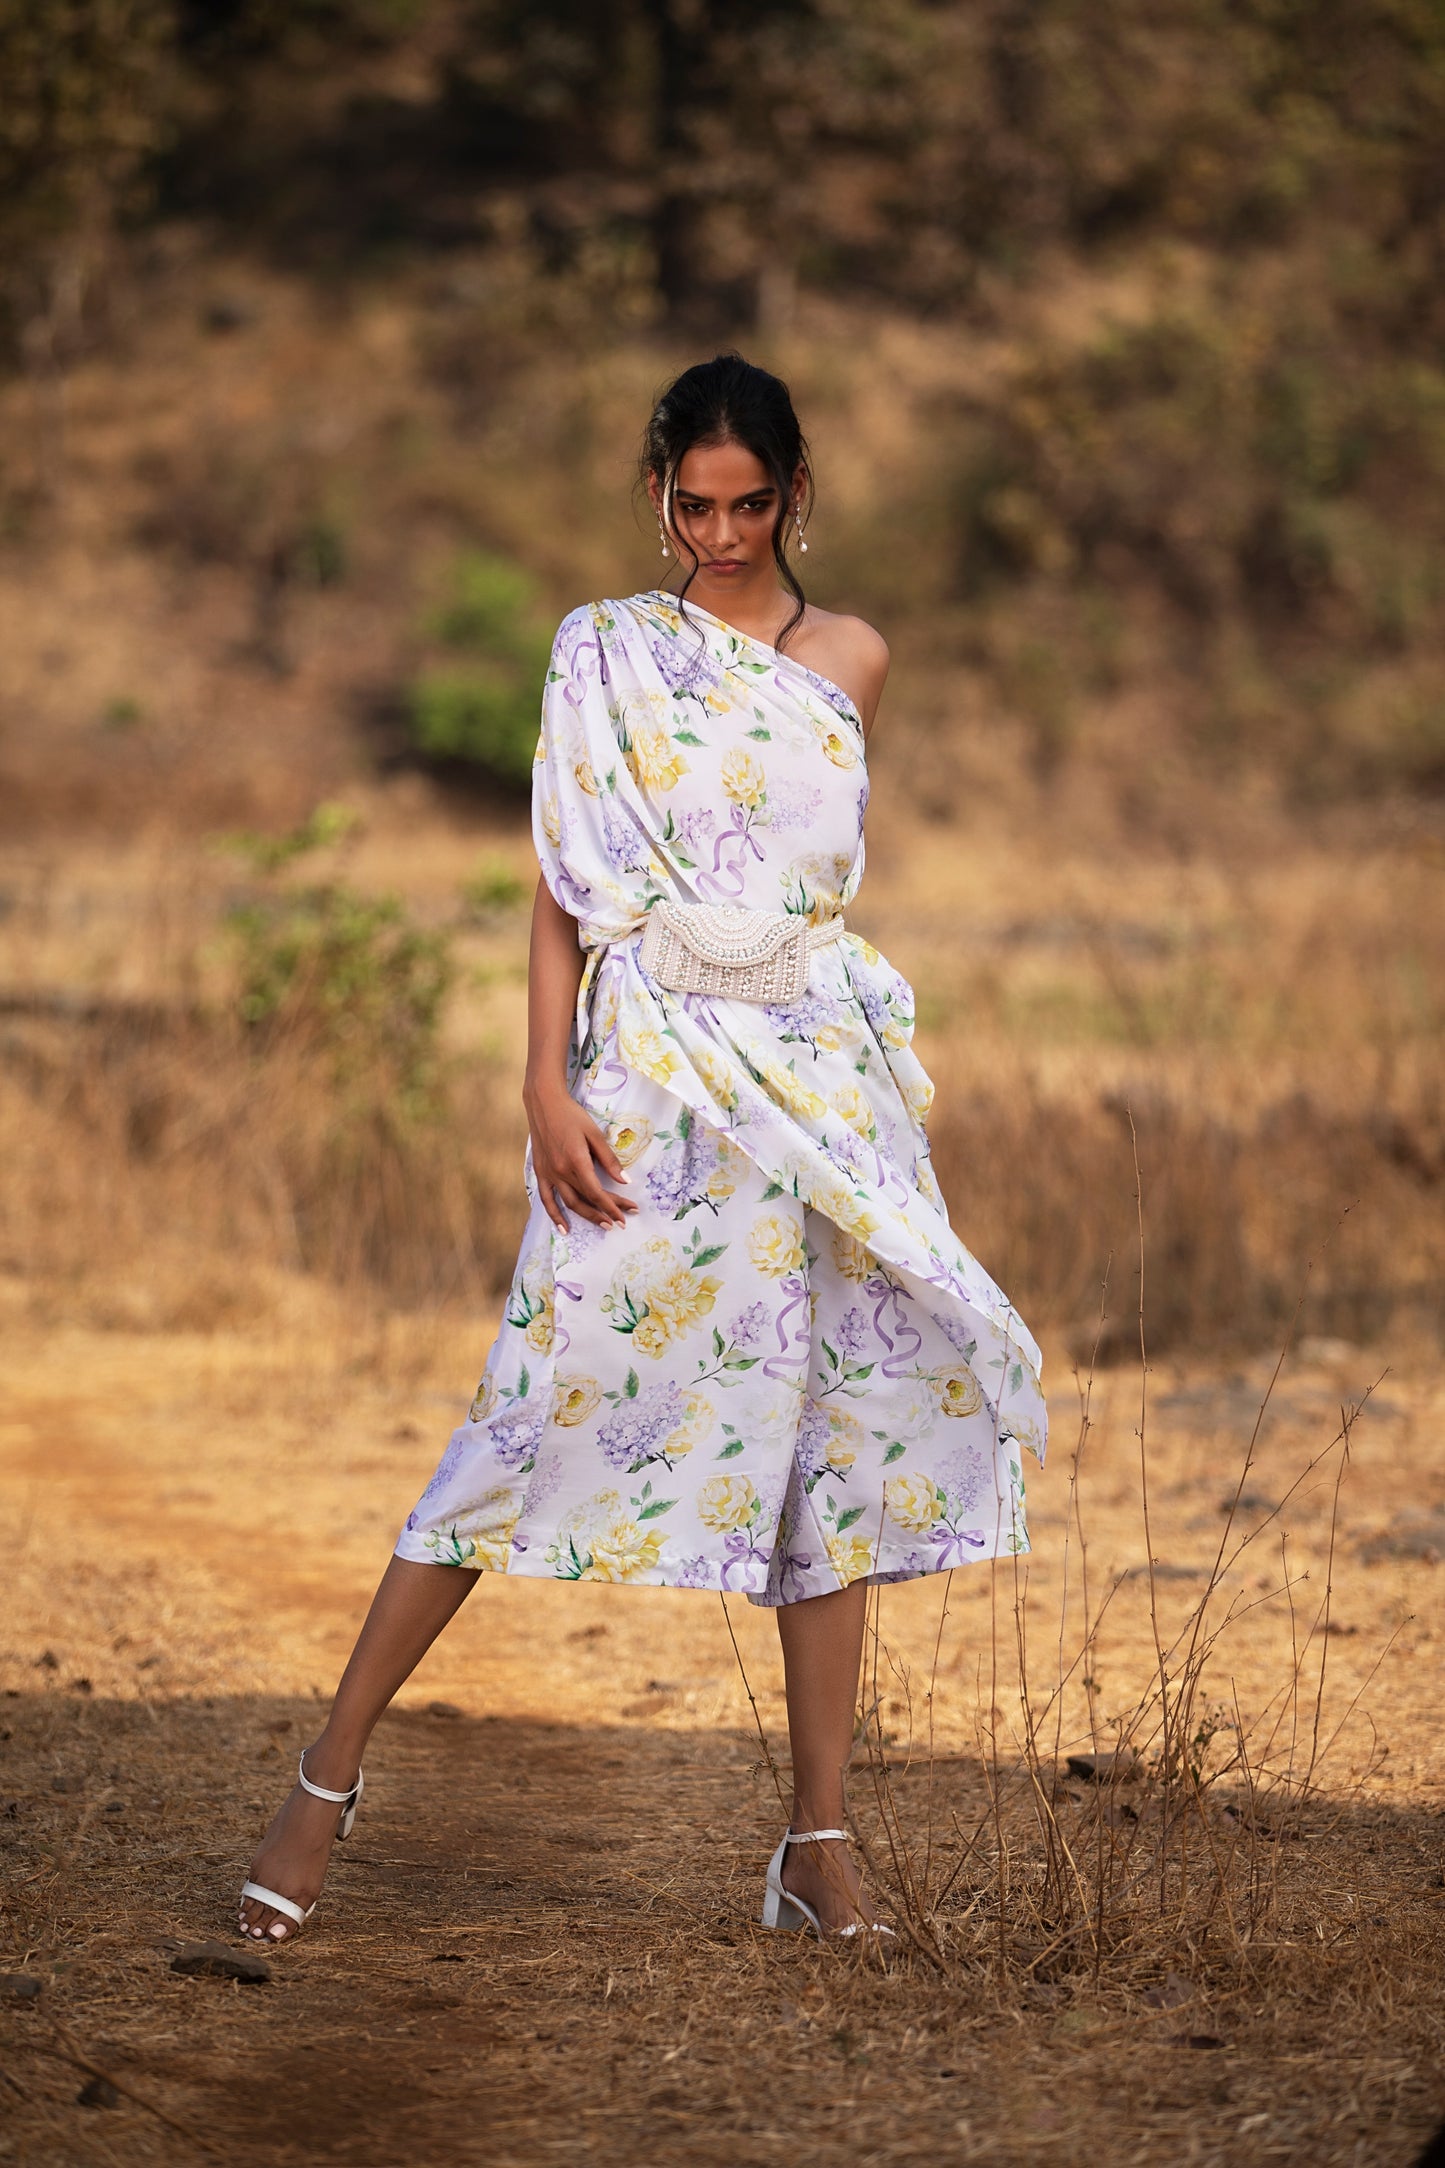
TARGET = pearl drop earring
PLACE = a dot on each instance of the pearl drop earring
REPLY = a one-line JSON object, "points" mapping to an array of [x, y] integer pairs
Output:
{"points": [[798, 518], [662, 538]]}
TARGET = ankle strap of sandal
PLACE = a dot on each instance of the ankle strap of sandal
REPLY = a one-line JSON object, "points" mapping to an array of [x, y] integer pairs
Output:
{"points": [[319, 1791], [813, 1836]]}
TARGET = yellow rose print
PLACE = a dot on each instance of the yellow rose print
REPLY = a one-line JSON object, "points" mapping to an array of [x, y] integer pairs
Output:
{"points": [[913, 1502], [850, 1257], [552, 823], [485, 1534], [697, 1421], [682, 1299], [725, 1502], [855, 1110], [621, 1551], [629, 1137], [655, 761], [539, 1334], [651, 1336], [586, 780], [775, 1246], [850, 1557], [918, 1098], [959, 1392], [573, 1400], [743, 778], [845, 1436], [645, 1048], [485, 1401], [717, 1077]]}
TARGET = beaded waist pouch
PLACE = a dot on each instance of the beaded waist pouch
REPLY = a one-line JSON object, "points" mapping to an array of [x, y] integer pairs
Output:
{"points": [[722, 948]]}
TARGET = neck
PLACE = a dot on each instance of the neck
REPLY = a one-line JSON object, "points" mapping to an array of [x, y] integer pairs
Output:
{"points": [[758, 607]]}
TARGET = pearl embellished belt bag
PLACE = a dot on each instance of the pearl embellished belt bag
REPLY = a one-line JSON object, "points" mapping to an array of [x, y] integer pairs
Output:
{"points": [[722, 948]]}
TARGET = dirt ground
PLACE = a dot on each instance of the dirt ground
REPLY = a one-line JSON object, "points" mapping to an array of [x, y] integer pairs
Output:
{"points": [[541, 1941]]}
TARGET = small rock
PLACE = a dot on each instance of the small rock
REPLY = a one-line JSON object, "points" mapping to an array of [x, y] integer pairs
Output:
{"points": [[1174, 1991], [20, 1986], [442, 1708], [113, 1806], [216, 1960], [47, 1660], [98, 2093], [81, 1686], [67, 1784], [1104, 1768], [1200, 2040]]}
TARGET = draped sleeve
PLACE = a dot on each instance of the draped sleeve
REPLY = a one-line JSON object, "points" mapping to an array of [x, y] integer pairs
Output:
{"points": [[597, 840]]}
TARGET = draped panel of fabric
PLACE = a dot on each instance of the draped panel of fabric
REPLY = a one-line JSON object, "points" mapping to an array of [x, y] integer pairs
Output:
{"points": [[785, 1373]]}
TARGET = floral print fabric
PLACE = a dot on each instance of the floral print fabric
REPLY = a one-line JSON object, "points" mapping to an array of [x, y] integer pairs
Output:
{"points": [[785, 1373]]}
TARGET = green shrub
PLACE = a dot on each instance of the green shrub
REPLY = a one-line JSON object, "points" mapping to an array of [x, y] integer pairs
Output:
{"points": [[345, 980], [351, 979], [485, 712]]}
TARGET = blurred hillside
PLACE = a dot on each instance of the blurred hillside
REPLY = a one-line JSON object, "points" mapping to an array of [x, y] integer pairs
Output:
{"points": [[1120, 333]]}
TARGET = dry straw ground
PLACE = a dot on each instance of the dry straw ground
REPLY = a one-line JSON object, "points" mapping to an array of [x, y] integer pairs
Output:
{"points": [[541, 1941]]}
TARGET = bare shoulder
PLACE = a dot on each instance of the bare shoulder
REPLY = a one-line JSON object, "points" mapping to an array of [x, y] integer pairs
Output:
{"points": [[848, 650]]}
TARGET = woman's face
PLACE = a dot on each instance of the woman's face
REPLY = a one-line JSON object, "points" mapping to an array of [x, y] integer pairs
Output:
{"points": [[723, 510]]}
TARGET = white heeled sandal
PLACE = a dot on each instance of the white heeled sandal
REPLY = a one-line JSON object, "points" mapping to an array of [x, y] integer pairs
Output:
{"points": [[782, 1909], [348, 1803]]}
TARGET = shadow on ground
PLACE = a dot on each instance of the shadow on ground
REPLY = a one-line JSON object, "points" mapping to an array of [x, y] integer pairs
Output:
{"points": [[539, 1944]]}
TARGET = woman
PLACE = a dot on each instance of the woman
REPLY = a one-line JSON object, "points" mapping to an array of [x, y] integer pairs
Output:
{"points": [[743, 1348]]}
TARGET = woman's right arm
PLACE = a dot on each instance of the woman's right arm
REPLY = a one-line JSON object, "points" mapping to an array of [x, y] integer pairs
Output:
{"points": [[568, 1147]]}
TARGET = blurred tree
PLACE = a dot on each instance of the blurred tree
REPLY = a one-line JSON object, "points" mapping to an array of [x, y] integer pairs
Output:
{"points": [[85, 103]]}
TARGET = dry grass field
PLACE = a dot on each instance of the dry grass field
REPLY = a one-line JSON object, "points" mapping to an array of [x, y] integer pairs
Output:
{"points": [[541, 1941], [260, 1137]]}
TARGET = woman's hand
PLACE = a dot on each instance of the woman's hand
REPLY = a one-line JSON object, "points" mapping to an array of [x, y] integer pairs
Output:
{"points": [[568, 1150]]}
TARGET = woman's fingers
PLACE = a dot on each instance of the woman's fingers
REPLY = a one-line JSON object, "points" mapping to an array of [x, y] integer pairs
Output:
{"points": [[583, 1177], [599, 1145], [582, 1206]]}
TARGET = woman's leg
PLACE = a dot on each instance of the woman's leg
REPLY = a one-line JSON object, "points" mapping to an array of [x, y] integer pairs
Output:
{"points": [[408, 1611], [822, 1639]]}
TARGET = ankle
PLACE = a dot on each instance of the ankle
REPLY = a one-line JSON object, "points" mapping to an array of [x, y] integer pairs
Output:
{"points": [[334, 1762], [809, 1816]]}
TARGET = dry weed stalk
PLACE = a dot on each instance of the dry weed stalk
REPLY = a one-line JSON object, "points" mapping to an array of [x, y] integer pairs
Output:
{"points": [[1166, 1856]]}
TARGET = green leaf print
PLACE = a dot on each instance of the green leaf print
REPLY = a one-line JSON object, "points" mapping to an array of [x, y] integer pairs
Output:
{"points": [[1016, 1377], [524, 1382], [688, 737], [733, 1447], [894, 1452], [767, 734], [655, 1506], [846, 1520], [631, 1384], [708, 1256]]}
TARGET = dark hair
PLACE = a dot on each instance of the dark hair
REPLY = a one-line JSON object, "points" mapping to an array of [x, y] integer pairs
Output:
{"points": [[730, 401]]}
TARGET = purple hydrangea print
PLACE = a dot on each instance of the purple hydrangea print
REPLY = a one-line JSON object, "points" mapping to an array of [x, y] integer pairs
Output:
{"points": [[696, 828], [516, 1434], [682, 671], [810, 1454], [792, 805], [637, 1427], [851, 1333], [447, 1466], [626, 850], [747, 1327], [693, 1573]]}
